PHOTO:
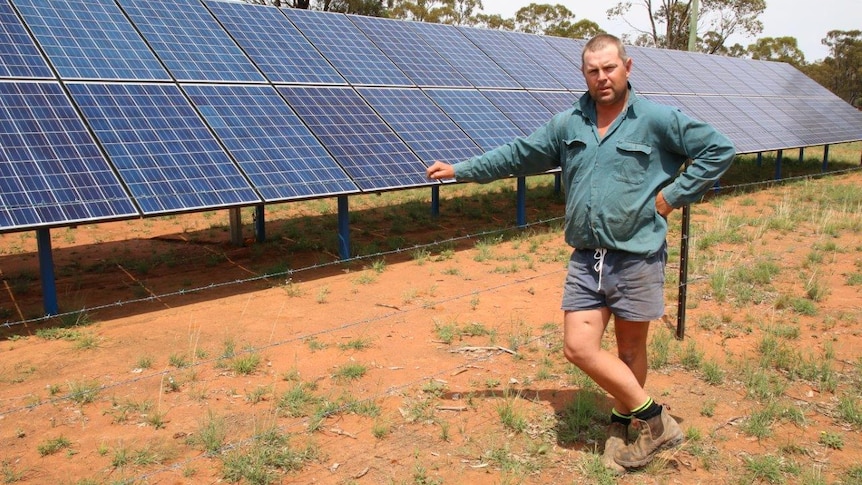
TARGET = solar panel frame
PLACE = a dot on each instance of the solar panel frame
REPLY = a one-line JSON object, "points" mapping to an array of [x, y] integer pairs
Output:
{"points": [[418, 60], [359, 140], [479, 69], [51, 170], [87, 39], [476, 115], [347, 48], [168, 158], [278, 153], [19, 56], [499, 46], [417, 120], [274, 44], [190, 42]]}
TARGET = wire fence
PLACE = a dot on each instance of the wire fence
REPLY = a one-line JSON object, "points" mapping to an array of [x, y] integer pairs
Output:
{"points": [[442, 243]]}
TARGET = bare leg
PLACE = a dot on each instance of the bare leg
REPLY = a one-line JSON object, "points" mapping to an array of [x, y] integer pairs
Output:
{"points": [[582, 338], [632, 350]]}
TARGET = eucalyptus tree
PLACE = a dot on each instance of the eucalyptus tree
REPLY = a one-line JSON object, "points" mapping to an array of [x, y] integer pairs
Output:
{"points": [[779, 49], [668, 22]]}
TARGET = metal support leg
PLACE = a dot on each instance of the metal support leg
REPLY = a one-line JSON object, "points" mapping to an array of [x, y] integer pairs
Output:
{"points": [[343, 227], [46, 271]]}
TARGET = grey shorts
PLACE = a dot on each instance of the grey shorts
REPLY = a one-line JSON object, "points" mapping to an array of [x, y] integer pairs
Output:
{"points": [[630, 285]]}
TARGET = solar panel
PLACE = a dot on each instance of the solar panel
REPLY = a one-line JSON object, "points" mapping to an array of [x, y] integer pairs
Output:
{"points": [[189, 41], [498, 45], [559, 67], [347, 48], [702, 108], [19, 56], [556, 101], [412, 54], [520, 107], [842, 121], [90, 40], [749, 134], [421, 124], [280, 156], [467, 59], [570, 49], [649, 74], [477, 116], [281, 52], [360, 141], [51, 171], [161, 148]]}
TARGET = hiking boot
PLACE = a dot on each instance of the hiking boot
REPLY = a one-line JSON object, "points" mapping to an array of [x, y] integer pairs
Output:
{"points": [[656, 434], [617, 440]]}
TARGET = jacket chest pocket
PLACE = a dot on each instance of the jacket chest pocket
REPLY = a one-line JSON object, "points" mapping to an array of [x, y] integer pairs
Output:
{"points": [[575, 151], [632, 162]]}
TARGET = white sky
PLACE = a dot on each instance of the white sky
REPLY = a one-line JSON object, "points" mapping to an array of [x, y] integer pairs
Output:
{"points": [[806, 20]]}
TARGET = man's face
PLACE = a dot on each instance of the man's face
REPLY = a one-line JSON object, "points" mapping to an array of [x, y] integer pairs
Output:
{"points": [[606, 75]]}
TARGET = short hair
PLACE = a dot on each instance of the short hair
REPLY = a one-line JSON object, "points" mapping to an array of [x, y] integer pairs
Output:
{"points": [[600, 41]]}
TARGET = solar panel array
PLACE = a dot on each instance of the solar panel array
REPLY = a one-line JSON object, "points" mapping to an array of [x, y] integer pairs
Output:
{"points": [[114, 109]]}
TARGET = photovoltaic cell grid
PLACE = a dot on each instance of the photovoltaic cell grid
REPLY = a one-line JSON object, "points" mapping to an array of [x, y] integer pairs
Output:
{"points": [[51, 171], [347, 48], [497, 45], [281, 52], [556, 101], [461, 53], [409, 52], [521, 107], [277, 152], [557, 65], [164, 153], [477, 116], [90, 40], [421, 124], [190, 42], [370, 152], [571, 50], [19, 57]]}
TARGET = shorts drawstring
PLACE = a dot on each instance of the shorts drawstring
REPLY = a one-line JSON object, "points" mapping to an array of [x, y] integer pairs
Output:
{"points": [[600, 262]]}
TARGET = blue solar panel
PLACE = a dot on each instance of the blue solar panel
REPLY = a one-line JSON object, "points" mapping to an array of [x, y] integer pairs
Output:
{"points": [[51, 171], [477, 116], [189, 41], [347, 48], [520, 107], [499, 46], [556, 101], [19, 56], [412, 54], [843, 122], [421, 124], [559, 67], [274, 44], [90, 40], [570, 49], [281, 157], [356, 136], [162, 149], [468, 59]]}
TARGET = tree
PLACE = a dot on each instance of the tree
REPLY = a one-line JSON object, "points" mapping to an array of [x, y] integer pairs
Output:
{"points": [[556, 20], [669, 22], [841, 71], [780, 49], [453, 12]]}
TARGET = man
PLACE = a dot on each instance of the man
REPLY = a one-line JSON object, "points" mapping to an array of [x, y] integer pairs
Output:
{"points": [[620, 157]]}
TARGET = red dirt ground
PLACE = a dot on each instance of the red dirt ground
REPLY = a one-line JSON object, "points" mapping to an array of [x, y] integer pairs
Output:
{"points": [[439, 404]]}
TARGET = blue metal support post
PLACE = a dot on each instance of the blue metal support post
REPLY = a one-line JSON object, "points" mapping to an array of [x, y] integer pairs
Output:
{"points": [[522, 202], [435, 200], [343, 228], [778, 164], [259, 224], [46, 271], [825, 158]]}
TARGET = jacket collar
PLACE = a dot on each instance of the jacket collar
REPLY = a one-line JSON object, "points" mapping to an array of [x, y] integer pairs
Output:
{"points": [[586, 106]]}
